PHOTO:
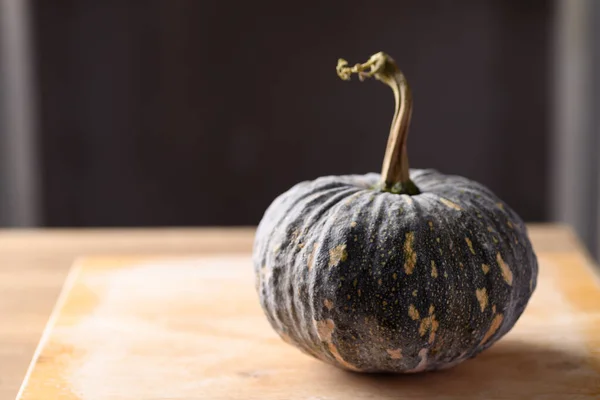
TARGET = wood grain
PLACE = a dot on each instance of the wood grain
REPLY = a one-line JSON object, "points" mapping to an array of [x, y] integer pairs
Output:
{"points": [[34, 264], [193, 329]]}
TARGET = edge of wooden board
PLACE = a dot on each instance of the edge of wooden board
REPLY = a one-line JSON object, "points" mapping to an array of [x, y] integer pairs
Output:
{"points": [[58, 306]]}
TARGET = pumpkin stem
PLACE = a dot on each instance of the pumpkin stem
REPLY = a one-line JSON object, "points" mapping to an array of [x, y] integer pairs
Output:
{"points": [[395, 172]]}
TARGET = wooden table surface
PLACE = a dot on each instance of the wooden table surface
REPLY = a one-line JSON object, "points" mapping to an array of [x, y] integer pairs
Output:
{"points": [[34, 263]]}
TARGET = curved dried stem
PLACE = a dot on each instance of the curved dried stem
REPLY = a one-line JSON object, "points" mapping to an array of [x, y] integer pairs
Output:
{"points": [[395, 171]]}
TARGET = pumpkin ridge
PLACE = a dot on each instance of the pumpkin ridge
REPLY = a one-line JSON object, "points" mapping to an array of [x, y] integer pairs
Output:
{"points": [[297, 269], [320, 216], [326, 222], [486, 256], [455, 247]]}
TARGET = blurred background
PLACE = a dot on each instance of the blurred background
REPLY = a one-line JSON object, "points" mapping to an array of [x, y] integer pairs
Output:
{"points": [[194, 113]]}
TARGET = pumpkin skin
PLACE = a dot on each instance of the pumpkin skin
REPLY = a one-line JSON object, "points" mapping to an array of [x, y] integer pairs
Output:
{"points": [[373, 281]]}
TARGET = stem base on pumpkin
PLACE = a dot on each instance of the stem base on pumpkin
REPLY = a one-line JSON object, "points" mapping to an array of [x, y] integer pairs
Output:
{"points": [[408, 188]]}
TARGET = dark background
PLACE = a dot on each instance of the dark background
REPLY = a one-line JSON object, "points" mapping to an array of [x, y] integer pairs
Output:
{"points": [[201, 112]]}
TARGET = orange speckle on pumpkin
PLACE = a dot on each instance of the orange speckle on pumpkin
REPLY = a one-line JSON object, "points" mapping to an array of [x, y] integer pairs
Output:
{"points": [[470, 244], [395, 354], [409, 253], [379, 281], [450, 204], [430, 324], [500, 206], [434, 327], [490, 229], [496, 322], [461, 265], [324, 329], [510, 224], [430, 223], [337, 255], [434, 271], [353, 224], [328, 304], [338, 357], [359, 292], [482, 297], [413, 312], [485, 268], [395, 276], [506, 272]]}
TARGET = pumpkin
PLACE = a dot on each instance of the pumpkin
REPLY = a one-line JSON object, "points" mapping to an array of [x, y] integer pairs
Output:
{"points": [[405, 271]]}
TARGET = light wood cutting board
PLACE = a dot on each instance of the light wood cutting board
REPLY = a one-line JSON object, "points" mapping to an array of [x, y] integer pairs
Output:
{"points": [[133, 328]]}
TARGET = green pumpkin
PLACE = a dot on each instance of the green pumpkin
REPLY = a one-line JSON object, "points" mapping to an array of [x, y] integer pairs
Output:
{"points": [[406, 271]]}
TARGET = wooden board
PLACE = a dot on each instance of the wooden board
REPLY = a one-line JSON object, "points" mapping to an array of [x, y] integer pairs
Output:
{"points": [[192, 328], [35, 262], [30, 281]]}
